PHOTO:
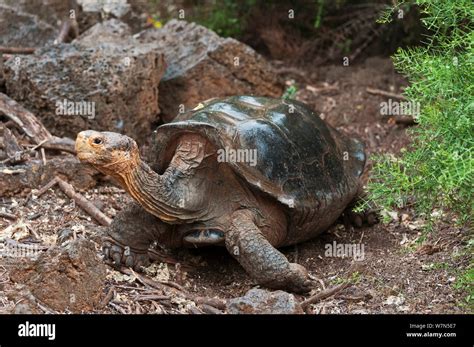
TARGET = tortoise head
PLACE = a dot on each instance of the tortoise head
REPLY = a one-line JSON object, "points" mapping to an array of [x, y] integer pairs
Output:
{"points": [[111, 153]]}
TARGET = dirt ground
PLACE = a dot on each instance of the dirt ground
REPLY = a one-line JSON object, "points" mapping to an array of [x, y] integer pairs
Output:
{"points": [[404, 270]]}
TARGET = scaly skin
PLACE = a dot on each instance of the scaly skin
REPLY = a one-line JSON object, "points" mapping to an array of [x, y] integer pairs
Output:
{"points": [[193, 193]]}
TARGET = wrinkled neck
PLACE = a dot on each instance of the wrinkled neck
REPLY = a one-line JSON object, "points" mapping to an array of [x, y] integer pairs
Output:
{"points": [[150, 190], [156, 192]]}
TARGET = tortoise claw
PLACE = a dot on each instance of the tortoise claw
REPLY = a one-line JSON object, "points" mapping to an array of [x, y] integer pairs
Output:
{"points": [[299, 281], [118, 255]]}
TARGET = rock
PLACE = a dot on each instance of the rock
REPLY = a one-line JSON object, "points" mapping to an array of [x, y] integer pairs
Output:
{"points": [[395, 300], [201, 65], [33, 174], [24, 301], [22, 29], [65, 278], [52, 13], [106, 79], [110, 32], [259, 301]]}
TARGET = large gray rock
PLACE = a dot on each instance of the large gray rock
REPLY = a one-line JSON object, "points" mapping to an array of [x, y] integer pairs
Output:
{"points": [[201, 65], [259, 301], [106, 68]]}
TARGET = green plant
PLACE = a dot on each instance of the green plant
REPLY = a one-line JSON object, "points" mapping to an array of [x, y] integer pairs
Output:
{"points": [[319, 13], [289, 92], [465, 282], [437, 169], [226, 17]]}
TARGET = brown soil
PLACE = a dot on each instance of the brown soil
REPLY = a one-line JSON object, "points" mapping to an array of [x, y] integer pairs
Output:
{"points": [[404, 270]]}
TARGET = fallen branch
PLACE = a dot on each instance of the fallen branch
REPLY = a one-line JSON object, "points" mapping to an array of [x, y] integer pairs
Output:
{"points": [[152, 283], [7, 215], [385, 93], [13, 149], [23, 118], [17, 50], [210, 309], [200, 300], [46, 187], [152, 297], [108, 297], [324, 294], [213, 302], [80, 200], [118, 308], [64, 32], [87, 206], [32, 126], [64, 144]]}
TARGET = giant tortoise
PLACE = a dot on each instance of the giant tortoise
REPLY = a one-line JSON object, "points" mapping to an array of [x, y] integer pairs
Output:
{"points": [[248, 173]]}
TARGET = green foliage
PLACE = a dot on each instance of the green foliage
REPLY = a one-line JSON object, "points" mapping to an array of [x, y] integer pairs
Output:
{"points": [[465, 282], [437, 170], [289, 92], [319, 13], [226, 17]]}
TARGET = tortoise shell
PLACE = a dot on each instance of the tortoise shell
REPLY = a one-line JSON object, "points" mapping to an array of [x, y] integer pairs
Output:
{"points": [[301, 161]]}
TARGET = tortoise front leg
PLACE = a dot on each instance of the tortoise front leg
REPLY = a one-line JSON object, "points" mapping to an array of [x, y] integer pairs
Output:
{"points": [[130, 235], [260, 259]]}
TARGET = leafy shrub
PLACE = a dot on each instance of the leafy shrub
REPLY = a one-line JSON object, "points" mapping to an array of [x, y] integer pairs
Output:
{"points": [[437, 169]]}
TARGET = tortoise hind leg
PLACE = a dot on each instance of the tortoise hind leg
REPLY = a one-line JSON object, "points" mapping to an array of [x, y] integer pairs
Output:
{"points": [[260, 259]]}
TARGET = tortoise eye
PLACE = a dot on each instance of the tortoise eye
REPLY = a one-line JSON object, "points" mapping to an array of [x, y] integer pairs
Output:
{"points": [[97, 141]]}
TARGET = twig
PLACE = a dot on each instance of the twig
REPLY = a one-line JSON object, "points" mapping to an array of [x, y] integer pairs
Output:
{"points": [[17, 50], [385, 93], [87, 206], [38, 145], [148, 281], [108, 297], [7, 215], [214, 302], [46, 309], [200, 300], [13, 149], [43, 156], [324, 294], [210, 309], [118, 308], [46, 187], [194, 310], [64, 32], [152, 297], [64, 144]]}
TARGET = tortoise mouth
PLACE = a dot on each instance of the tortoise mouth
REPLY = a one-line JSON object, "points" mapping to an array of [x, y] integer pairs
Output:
{"points": [[85, 156]]}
